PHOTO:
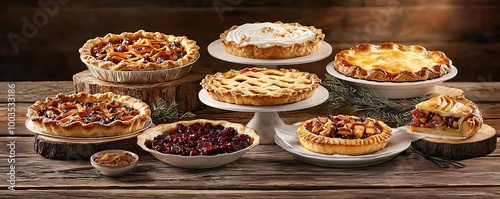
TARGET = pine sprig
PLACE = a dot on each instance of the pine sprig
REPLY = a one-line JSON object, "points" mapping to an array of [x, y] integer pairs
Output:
{"points": [[162, 111], [394, 113]]}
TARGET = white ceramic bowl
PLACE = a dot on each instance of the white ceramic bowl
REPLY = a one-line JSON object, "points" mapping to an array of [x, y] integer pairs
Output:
{"points": [[114, 170], [199, 161]]}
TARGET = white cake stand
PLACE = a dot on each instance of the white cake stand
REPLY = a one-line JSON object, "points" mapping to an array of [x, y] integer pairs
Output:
{"points": [[216, 49], [265, 117]]}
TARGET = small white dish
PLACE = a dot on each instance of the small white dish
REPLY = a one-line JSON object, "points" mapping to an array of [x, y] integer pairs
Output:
{"points": [[395, 90], [114, 170], [287, 139]]}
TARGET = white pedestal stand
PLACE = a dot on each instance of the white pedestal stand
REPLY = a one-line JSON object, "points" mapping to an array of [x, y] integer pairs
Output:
{"points": [[266, 117]]}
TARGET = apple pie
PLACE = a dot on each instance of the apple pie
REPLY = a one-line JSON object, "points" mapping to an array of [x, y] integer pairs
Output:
{"points": [[261, 86], [391, 62], [139, 51], [89, 115], [447, 115], [344, 135], [272, 40]]}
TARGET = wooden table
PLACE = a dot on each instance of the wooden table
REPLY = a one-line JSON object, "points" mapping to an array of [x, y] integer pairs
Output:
{"points": [[267, 171]]}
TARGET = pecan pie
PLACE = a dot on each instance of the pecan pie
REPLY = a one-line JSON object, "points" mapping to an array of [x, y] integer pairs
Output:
{"points": [[261, 86], [391, 62], [272, 40], [447, 115], [139, 51], [199, 137], [344, 135], [87, 115]]}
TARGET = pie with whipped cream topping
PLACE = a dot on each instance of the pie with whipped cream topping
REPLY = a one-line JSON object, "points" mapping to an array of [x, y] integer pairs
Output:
{"points": [[261, 86], [447, 115], [139, 51], [89, 115], [344, 135], [391, 62], [272, 40]]}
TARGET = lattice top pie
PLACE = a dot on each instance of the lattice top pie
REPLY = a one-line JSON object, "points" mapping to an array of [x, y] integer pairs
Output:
{"points": [[343, 134], [447, 115], [139, 51], [272, 40], [261, 86], [87, 115], [391, 62]]}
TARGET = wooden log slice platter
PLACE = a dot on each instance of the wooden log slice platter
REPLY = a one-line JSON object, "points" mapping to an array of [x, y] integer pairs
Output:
{"points": [[72, 149], [484, 142], [184, 90]]}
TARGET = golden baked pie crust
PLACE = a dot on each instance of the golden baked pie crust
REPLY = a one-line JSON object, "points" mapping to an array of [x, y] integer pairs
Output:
{"points": [[470, 117], [431, 64], [261, 86], [327, 145], [93, 129], [274, 51], [189, 46]]}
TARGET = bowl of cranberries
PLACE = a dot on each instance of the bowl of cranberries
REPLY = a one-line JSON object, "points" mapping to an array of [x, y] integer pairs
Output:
{"points": [[198, 144]]}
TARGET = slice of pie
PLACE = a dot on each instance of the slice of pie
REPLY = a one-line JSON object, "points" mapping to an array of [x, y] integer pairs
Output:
{"points": [[89, 115], [261, 86], [344, 135], [272, 40], [391, 62], [139, 51], [447, 115]]}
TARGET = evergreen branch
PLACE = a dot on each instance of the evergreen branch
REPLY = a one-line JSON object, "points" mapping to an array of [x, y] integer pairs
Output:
{"points": [[163, 112]]}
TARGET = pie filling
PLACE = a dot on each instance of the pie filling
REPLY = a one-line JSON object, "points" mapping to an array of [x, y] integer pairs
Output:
{"points": [[199, 139], [87, 112], [427, 119], [138, 50], [345, 127]]}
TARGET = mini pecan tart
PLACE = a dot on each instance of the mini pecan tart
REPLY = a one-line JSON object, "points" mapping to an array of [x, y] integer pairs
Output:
{"points": [[261, 86], [391, 62], [344, 135], [139, 51], [272, 40], [89, 115], [447, 115]]}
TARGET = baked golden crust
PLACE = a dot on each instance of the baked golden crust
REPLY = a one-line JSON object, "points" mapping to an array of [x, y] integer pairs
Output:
{"points": [[447, 115], [322, 142], [72, 125], [261, 86], [391, 62], [273, 51], [139, 51]]}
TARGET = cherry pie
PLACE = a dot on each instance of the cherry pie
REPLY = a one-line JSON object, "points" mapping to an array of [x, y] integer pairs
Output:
{"points": [[344, 135], [87, 115], [139, 51]]}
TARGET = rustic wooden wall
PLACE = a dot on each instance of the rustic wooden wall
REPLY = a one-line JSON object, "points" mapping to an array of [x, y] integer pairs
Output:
{"points": [[467, 31]]}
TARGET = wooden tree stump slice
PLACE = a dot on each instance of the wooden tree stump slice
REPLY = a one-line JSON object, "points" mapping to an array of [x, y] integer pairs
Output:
{"points": [[80, 149], [484, 142], [184, 90]]}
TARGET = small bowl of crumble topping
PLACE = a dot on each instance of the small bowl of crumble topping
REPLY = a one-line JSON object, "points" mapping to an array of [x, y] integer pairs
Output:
{"points": [[114, 162]]}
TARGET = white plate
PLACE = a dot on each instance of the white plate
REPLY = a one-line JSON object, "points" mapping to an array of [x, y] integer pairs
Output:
{"points": [[216, 49], [287, 139], [395, 90], [32, 128], [320, 95], [446, 137]]}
